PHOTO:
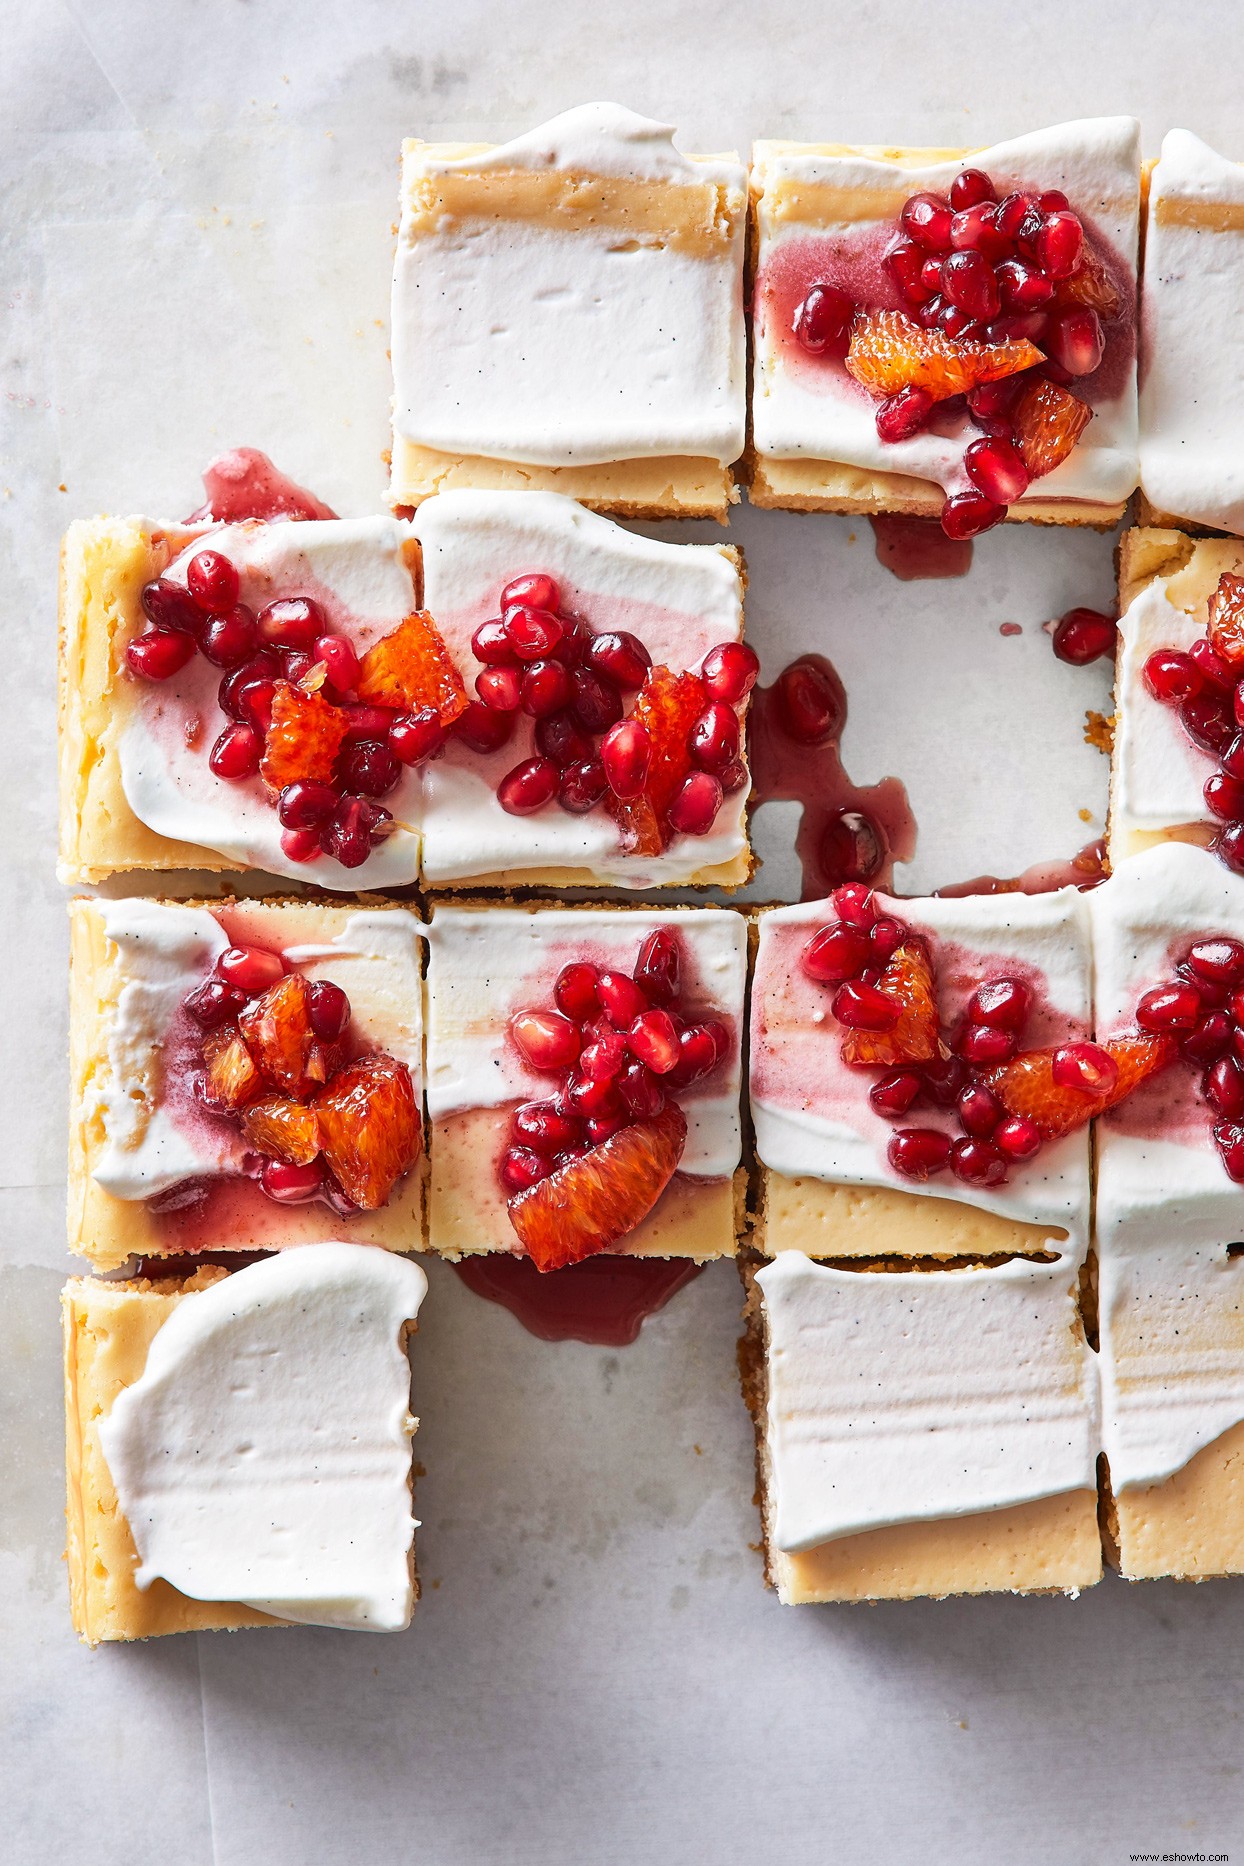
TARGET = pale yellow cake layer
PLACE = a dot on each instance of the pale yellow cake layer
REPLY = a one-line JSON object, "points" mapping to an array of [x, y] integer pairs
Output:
{"points": [[467, 1212], [823, 1219], [108, 1230], [108, 1329], [806, 485], [1191, 1525], [733, 874], [661, 487]]}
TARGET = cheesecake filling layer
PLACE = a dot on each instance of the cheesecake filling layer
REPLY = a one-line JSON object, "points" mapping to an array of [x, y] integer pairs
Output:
{"points": [[907, 1397], [1158, 774], [264, 1455]]}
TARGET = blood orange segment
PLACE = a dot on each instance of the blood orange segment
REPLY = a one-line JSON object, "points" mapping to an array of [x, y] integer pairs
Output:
{"points": [[888, 353], [232, 1079], [1026, 1086], [287, 1052], [1049, 420], [668, 705], [303, 740], [908, 980], [1226, 618], [411, 668], [369, 1128], [593, 1201], [281, 1129], [1093, 286]]}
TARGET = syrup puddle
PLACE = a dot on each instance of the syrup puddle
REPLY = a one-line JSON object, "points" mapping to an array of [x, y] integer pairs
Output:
{"points": [[604, 1301], [243, 483], [916, 548]]}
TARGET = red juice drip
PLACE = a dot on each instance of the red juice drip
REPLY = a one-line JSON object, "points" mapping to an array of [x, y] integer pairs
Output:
{"points": [[911, 548], [603, 1300], [846, 832], [1086, 869], [243, 483]]}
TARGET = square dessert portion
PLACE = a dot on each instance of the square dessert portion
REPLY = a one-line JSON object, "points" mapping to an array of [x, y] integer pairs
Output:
{"points": [[1192, 395], [893, 283], [615, 368], [244, 1074], [562, 623], [923, 1432], [1169, 954], [935, 1107], [226, 1464], [584, 1081]]}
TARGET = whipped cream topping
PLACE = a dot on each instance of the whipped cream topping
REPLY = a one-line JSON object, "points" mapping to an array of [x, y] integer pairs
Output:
{"points": [[1157, 775], [264, 1455], [905, 1397], [810, 1109], [613, 343], [489, 963], [156, 1136], [357, 569], [680, 599], [1192, 394], [1096, 163]]}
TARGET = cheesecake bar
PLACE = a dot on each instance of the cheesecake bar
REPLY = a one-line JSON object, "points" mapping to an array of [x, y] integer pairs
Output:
{"points": [[922, 1432], [244, 1075], [892, 283], [1192, 398], [227, 1466], [568, 317], [583, 1081]]}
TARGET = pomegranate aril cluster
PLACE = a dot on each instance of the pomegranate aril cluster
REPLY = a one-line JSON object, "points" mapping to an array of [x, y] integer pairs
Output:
{"points": [[620, 1046], [1201, 1007], [1208, 694]]}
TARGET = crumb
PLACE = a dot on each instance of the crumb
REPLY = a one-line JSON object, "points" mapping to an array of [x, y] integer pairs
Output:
{"points": [[1099, 731], [1009, 628]]}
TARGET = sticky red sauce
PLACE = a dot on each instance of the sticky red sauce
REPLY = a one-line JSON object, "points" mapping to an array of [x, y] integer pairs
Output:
{"points": [[1086, 869], [918, 548], [243, 483], [604, 1300]]}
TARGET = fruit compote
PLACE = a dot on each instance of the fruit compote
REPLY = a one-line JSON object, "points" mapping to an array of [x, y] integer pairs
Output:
{"points": [[1205, 686]]}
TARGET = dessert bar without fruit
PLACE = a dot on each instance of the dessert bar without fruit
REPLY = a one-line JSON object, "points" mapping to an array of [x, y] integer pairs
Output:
{"points": [[616, 371], [226, 1464]]}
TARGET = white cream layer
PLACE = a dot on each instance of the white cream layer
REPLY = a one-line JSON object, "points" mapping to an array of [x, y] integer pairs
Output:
{"points": [[1158, 775], [524, 341], [264, 1455], [1192, 388], [356, 569], [681, 599], [163, 953], [1096, 162], [907, 1397], [810, 1110], [488, 963]]}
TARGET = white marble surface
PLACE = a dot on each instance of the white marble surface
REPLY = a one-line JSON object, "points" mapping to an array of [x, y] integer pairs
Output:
{"points": [[196, 246]]}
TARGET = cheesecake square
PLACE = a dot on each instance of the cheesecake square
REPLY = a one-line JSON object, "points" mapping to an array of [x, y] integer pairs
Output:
{"points": [[922, 1432], [1168, 584], [509, 1118], [1191, 400], [142, 726], [615, 371], [187, 1136], [172, 1439], [830, 1123], [642, 627], [825, 217]]}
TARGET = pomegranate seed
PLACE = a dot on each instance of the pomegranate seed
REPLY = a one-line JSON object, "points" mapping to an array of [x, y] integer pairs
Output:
{"points": [[904, 261], [1212, 665], [1009, 215], [212, 581], [581, 787], [1017, 1137], [545, 688], [482, 729], [979, 1110], [575, 642], [604, 1057], [1074, 339], [263, 666], [590, 1099], [417, 736], [693, 809], [528, 787], [367, 724], [574, 992], [700, 1048], [1004, 1004], [236, 753], [294, 665], [533, 633], [620, 998], [522, 1167], [956, 322], [1171, 676], [1212, 994], [159, 653], [354, 828], [969, 186], [292, 622], [621, 658], [543, 1125], [626, 753], [862, 1007], [714, 738], [931, 272], [1085, 1067], [328, 1009], [856, 904], [968, 281], [255, 699], [967, 514], [653, 1040], [925, 218], [729, 671], [836, 954], [562, 740], [639, 1091], [885, 936], [974, 230], [919, 1152], [535, 590], [601, 1126], [1232, 757], [500, 688], [1208, 722], [597, 704], [1224, 796], [985, 1045], [341, 666], [300, 845], [1223, 1087], [1210, 1038], [1018, 327], [822, 324], [1229, 1140], [291, 1185], [656, 968], [1221, 961], [995, 468], [169, 605], [370, 770], [1060, 244], [977, 1163], [1084, 635], [990, 399], [902, 415], [548, 1041], [850, 848], [251, 969], [1052, 200], [214, 1002], [491, 645], [894, 1094], [944, 1080], [929, 314], [810, 702], [1022, 287]]}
